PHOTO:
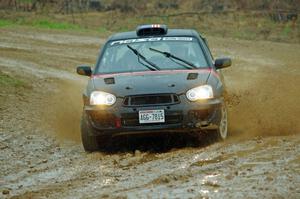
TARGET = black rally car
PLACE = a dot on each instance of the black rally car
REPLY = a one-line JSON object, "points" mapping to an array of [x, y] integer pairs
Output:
{"points": [[153, 80]]}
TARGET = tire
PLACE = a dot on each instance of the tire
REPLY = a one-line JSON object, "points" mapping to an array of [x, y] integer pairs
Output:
{"points": [[89, 141], [211, 136], [222, 132]]}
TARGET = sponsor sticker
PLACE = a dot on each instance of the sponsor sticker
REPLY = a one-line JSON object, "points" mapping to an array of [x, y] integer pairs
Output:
{"points": [[151, 39]]}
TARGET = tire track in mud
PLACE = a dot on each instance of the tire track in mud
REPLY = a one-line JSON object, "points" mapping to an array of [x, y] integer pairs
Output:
{"points": [[246, 165]]}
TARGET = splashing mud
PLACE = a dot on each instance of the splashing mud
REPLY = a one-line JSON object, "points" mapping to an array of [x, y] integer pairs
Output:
{"points": [[263, 87], [64, 108], [270, 108]]}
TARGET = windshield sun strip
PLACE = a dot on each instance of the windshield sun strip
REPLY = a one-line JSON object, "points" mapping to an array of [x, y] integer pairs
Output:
{"points": [[150, 39]]}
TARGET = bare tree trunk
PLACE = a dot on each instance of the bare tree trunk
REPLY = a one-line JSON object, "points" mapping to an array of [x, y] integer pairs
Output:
{"points": [[33, 5], [72, 12], [16, 5]]}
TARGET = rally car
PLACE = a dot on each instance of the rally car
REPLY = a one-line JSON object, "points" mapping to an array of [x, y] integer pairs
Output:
{"points": [[153, 80]]}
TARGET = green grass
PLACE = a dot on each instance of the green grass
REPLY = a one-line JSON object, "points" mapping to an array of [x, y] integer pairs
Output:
{"points": [[44, 24], [102, 30], [55, 25], [4, 23], [286, 31], [9, 81]]}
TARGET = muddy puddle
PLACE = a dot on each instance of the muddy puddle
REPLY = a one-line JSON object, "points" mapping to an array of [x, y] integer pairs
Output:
{"points": [[42, 157]]}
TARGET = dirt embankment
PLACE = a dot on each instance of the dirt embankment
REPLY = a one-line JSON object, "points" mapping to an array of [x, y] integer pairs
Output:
{"points": [[41, 155]]}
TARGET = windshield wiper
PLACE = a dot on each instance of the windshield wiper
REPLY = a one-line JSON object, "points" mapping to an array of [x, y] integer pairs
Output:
{"points": [[170, 56], [139, 55]]}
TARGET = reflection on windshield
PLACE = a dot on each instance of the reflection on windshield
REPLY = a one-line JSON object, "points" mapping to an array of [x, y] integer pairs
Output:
{"points": [[119, 58]]}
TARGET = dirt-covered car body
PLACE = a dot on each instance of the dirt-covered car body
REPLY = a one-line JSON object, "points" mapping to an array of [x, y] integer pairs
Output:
{"points": [[153, 98]]}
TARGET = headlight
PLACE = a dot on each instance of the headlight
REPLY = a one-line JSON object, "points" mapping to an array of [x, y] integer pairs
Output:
{"points": [[200, 93], [102, 98]]}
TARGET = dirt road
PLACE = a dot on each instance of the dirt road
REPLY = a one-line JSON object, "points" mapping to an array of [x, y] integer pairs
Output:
{"points": [[42, 157]]}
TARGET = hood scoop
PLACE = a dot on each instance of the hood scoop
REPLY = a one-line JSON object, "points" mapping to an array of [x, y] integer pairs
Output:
{"points": [[192, 76], [109, 80]]}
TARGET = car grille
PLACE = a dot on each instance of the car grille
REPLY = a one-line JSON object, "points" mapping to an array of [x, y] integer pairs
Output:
{"points": [[132, 119], [154, 99]]}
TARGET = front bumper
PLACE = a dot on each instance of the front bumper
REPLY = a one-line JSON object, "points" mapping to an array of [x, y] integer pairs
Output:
{"points": [[180, 117]]}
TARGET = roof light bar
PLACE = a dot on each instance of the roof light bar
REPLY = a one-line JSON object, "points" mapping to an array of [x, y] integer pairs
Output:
{"points": [[151, 30]]}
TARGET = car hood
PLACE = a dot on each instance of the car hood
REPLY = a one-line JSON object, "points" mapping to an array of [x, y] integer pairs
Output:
{"points": [[136, 83]]}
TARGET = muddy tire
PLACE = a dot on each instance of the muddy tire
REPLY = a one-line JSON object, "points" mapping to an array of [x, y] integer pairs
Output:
{"points": [[211, 136], [89, 142], [222, 131]]}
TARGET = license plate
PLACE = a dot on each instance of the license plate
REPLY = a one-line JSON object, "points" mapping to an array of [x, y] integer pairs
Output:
{"points": [[151, 116]]}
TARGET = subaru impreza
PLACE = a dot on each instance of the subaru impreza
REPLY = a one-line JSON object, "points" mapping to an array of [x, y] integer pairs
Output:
{"points": [[153, 80]]}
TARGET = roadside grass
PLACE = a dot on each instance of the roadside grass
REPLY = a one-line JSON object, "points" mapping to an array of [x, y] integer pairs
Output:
{"points": [[4, 23], [40, 23], [9, 81], [232, 25], [55, 25], [102, 30]]}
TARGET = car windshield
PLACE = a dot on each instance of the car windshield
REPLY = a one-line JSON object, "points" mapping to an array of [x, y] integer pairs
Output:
{"points": [[119, 58]]}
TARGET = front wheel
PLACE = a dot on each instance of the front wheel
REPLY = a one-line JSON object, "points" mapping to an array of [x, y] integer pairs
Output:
{"points": [[218, 134], [222, 131], [89, 141]]}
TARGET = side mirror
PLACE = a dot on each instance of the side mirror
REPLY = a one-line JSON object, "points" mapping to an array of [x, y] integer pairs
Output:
{"points": [[222, 63], [84, 70]]}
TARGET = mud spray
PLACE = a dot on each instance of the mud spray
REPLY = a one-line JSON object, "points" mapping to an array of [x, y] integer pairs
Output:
{"points": [[270, 107], [63, 113]]}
